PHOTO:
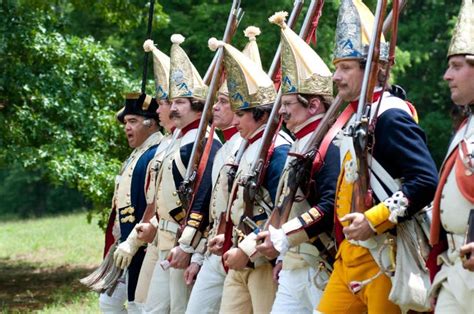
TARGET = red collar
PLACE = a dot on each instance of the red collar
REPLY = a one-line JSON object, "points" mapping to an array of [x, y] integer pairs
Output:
{"points": [[189, 127], [229, 132], [375, 97], [172, 129], [256, 137], [307, 129]]}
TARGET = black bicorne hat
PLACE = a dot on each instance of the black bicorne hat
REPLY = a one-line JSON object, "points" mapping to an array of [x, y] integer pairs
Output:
{"points": [[140, 105]]}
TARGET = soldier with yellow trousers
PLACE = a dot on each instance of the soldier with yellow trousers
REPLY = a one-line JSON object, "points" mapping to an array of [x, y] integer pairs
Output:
{"points": [[399, 155]]}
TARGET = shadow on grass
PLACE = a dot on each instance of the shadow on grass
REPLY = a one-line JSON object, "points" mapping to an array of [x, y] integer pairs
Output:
{"points": [[25, 287]]}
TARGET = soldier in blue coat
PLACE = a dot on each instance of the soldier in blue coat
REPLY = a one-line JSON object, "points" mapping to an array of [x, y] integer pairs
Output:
{"points": [[129, 203]]}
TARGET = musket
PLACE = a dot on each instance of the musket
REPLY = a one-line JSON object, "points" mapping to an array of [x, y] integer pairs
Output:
{"points": [[254, 178], [148, 36], [362, 195], [300, 168], [210, 69], [191, 180]]}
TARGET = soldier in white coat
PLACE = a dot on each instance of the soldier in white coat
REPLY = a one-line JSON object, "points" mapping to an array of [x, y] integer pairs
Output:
{"points": [[454, 199], [307, 92], [168, 290], [248, 286]]}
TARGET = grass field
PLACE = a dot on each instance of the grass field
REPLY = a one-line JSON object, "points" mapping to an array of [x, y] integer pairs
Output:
{"points": [[41, 261]]}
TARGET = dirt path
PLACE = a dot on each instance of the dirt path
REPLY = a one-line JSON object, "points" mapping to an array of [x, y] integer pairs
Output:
{"points": [[25, 287]]}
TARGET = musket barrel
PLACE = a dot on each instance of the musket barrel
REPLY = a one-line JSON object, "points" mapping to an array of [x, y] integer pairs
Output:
{"points": [[373, 48], [188, 185], [148, 36]]}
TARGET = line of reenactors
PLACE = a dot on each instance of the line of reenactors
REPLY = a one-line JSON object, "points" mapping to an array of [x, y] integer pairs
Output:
{"points": [[300, 238]]}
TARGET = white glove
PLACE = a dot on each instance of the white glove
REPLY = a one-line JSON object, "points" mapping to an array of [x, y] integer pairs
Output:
{"points": [[126, 250]]}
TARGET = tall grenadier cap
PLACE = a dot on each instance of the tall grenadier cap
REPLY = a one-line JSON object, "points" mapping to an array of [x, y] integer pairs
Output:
{"points": [[354, 31], [462, 42], [250, 50], [161, 70], [249, 86], [185, 80], [303, 71]]}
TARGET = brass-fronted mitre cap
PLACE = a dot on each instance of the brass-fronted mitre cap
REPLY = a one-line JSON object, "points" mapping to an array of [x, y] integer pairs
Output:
{"points": [[249, 86], [161, 69], [185, 80], [303, 71], [462, 42], [250, 50], [355, 23]]}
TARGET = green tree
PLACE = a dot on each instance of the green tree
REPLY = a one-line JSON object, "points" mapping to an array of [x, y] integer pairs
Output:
{"points": [[59, 94]]}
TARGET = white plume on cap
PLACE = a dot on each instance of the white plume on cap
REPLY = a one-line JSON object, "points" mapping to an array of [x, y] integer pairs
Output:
{"points": [[279, 18], [148, 45], [177, 39], [252, 32], [214, 44]]}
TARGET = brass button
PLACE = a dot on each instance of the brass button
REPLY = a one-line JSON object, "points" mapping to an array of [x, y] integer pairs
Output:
{"points": [[174, 193], [178, 203]]}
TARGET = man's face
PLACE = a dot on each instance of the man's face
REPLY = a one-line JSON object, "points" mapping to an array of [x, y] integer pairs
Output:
{"points": [[163, 112], [348, 78], [460, 77], [246, 124], [293, 112], [223, 114], [181, 112], [135, 130]]}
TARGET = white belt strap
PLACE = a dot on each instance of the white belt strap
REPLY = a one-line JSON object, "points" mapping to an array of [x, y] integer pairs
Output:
{"points": [[168, 225], [381, 175]]}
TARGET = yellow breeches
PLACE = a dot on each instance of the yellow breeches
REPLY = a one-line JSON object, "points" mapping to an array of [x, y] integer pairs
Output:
{"points": [[355, 264], [344, 192]]}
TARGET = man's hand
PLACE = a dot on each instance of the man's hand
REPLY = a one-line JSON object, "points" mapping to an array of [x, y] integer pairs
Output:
{"points": [[266, 248], [179, 258], [146, 232], [359, 229], [215, 244], [126, 250], [191, 272], [467, 256], [276, 271], [235, 259]]}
